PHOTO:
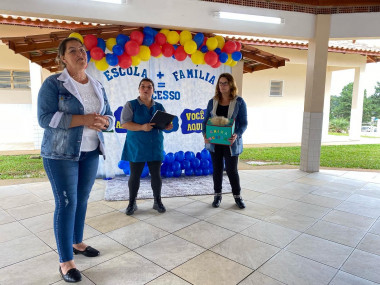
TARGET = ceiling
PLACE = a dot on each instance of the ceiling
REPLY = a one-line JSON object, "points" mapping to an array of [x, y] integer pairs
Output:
{"points": [[42, 49]]}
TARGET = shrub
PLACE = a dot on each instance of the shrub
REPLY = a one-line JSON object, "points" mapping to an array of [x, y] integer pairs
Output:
{"points": [[339, 125]]}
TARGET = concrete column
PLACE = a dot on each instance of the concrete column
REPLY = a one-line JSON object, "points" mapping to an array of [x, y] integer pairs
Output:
{"points": [[357, 104], [35, 85], [314, 95], [326, 105]]}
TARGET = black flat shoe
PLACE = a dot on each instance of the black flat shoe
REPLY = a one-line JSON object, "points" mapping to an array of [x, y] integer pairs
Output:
{"points": [[217, 201], [89, 252], [240, 203], [72, 276], [131, 209], [157, 205]]}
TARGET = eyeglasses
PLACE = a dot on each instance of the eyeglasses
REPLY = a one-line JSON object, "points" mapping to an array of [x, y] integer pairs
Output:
{"points": [[223, 83]]}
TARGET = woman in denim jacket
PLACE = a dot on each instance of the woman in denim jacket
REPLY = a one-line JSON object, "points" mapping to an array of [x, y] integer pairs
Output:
{"points": [[73, 109], [226, 103]]}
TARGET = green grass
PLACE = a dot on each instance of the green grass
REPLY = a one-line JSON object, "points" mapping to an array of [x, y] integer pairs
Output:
{"points": [[338, 134], [21, 166], [339, 156]]}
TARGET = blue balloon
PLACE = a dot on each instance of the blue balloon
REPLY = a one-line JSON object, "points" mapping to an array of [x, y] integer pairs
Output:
{"points": [[88, 56], [163, 153], [204, 49], [198, 155], [206, 171], [179, 156], [148, 40], [148, 31], [177, 173], [118, 49], [145, 172], [176, 165], [218, 50], [189, 155], [195, 163], [205, 154], [223, 57], [112, 59], [198, 39], [123, 164], [204, 163], [101, 44], [169, 158], [198, 172], [236, 55], [122, 39], [169, 173], [126, 171], [186, 164], [189, 172], [211, 170]]}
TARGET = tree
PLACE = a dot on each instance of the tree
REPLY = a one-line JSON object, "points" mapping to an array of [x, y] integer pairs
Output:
{"points": [[340, 106], [374, 102], [366, 108]]}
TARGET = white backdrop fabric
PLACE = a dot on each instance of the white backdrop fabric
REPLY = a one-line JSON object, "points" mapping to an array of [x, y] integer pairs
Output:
{"points": [[182, 87]]}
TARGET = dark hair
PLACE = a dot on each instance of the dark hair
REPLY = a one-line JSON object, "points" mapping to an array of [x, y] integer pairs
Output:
{"points": [[231, 82], [146, 80], [62, 49]]}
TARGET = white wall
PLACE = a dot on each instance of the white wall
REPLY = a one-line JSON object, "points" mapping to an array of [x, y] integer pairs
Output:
{"points": [[18, 127]]}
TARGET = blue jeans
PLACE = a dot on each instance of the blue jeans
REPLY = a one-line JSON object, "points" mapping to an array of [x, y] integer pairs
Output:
{"points": [[71, 182]]}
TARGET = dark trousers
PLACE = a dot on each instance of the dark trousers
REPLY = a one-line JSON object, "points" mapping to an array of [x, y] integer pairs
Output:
{"points": [[71, 182], [223, 152], [136, 169]]}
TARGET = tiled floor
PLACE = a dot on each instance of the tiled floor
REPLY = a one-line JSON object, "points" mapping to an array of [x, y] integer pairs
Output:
{"points": [[298, 228]]}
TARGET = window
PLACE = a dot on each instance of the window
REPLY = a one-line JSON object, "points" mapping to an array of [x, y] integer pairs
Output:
{"points": [[276, 88], [11, 79]]}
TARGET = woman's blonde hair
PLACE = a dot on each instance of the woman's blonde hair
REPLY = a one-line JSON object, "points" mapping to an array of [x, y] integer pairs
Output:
{"points": [[231, 83]]}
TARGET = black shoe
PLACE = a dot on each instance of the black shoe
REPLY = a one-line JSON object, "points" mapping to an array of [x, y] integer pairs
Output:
{"points": [[89, 252], [157, 205], [240, 203], [217, 201], [72, 276], [132, 207]]}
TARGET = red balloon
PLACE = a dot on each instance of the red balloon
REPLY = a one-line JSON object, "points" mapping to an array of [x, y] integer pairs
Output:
{"points": [[211, 58], [160, 38], [230, 47], [218, 63], [132, 48], [180, 53], [155, 49], [97, 53], [137, 36], [238, 46], [204, 41], [90, 41], [167, 50], [125, 60]]}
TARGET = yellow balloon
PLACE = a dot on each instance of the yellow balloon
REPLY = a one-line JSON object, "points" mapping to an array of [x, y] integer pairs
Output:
{"points": [[229, 60], [110, 43], [185, 36], [190, 47], [198, 57], [136, 60], [144, 53], [212, 43], [172, 37], [159, 55], [165, 31], [233, 63], [102, 64], [220, 40], [76, 35]]}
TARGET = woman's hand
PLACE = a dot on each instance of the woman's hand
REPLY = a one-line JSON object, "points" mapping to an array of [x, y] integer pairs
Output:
{"points": [[96, 122], [147, 127], [206, 139], [169, 127], [232, 139]]}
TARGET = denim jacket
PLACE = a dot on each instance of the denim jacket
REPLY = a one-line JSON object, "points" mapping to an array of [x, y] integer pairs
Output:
{"points": [[58, 100], [237, 110]]}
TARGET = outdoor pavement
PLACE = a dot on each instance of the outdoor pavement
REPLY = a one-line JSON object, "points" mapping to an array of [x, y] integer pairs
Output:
{"points": [[297, 228]]}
